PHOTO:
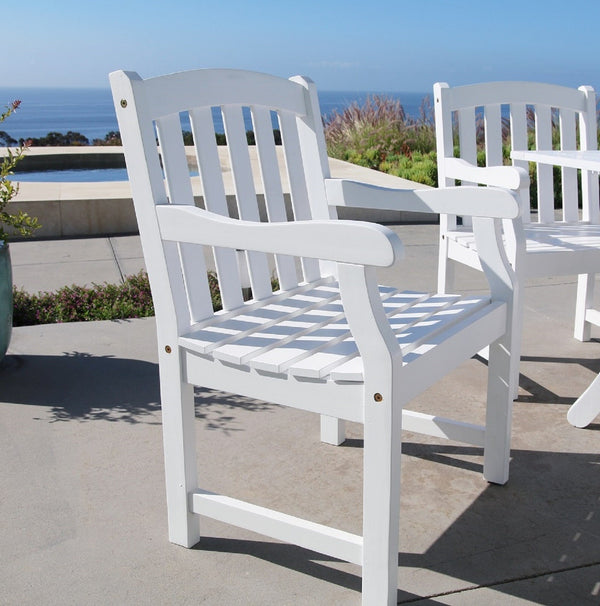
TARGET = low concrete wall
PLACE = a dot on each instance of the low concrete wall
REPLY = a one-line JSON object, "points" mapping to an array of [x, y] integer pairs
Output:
{"points": [[93, 209]]}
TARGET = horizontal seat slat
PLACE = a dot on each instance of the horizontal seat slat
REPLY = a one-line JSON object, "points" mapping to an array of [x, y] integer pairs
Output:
{"points": [[314, 340], [417, 338], [310, 344], [277, 335], [322, 362], [238, 338], [249, 319], [546, 238], [307, 336]]}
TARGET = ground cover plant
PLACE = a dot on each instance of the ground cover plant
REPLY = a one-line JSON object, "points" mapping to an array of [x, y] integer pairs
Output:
{"points": [[131, 299]]}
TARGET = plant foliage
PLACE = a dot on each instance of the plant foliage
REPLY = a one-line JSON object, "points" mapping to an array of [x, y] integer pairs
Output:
{"points": [[11, 222], [379, 135]]}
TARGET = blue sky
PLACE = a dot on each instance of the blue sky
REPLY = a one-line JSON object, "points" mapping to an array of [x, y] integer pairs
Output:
{"points": [[371, 46]]}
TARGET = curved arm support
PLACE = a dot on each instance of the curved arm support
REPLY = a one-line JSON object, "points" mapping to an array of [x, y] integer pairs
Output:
{"points": [[341, 241], [471, 201], [511, 177]]}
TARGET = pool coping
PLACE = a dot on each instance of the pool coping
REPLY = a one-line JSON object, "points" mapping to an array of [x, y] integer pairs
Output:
{"points": [[106, 208]]}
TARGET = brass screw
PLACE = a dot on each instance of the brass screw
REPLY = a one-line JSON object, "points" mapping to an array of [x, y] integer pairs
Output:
{"points": [[123, 103], [168, 349], [378, 397]]}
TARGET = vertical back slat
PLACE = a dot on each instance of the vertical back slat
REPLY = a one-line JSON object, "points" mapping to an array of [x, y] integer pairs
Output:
{"points": [[493, 135], [298, 191], [568, 140], [177, 174], [467, 137], [545, 182], [190, 257], [272, 187], [215, 200], [245, 193], [518, 137]]}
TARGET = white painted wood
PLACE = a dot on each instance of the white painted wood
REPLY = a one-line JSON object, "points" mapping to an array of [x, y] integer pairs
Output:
{"points": [[273, 189], [568, 141], [178, 414], [532, 93], [290, 529], [494, 203], [439, 427], [519, 140], [467, 136], [588, 135], [298, 191], [493, 135], [500, 176], [333, 431], [215, 201], [545, 180], [552, 244], [586, 408], [342, 241], [245, 194], [179, 190], [344, 348]]}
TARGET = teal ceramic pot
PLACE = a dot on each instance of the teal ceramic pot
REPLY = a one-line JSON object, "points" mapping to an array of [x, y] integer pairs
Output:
{"points": [[6, 299]]}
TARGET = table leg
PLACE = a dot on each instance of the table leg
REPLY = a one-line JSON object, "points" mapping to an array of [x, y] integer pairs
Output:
{"points": [[587, 406]]}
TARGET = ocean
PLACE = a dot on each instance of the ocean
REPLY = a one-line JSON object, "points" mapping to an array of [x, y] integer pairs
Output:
{"points": [[90, 111]]}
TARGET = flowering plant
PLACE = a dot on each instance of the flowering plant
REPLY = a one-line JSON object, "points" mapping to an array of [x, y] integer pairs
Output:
{"points": [[19, 222]]}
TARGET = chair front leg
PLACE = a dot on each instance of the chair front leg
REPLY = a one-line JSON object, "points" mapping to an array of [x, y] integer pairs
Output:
{"points": [[178, 416], [498, 421], [381, 499]]}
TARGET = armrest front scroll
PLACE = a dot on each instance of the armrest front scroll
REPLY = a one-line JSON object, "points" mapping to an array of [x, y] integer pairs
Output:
{"points": [[511, 177], [329, 240]]}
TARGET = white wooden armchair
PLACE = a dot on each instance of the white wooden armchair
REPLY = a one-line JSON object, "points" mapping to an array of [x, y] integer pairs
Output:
{"points": [[329, 340], [562, 237]]}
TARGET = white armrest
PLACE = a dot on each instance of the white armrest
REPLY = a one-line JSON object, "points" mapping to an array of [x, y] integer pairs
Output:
{"points": [[472, 201], [511, 177], [342, 241]]}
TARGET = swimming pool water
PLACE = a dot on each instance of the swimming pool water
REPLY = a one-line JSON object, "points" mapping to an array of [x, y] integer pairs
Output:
{"points": [[75, 175]]}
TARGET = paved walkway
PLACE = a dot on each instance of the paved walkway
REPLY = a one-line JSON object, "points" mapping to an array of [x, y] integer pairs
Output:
{"points": [[46, 265], [83, 507]]}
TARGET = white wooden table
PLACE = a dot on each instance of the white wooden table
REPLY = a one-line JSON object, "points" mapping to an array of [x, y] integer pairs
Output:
{"points": [[587, 406], [586, 160]]}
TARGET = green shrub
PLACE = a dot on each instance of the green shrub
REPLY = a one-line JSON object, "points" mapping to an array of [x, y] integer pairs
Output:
{"points": [[132, 299], [418, 167], [369, 133], [379, 135]]}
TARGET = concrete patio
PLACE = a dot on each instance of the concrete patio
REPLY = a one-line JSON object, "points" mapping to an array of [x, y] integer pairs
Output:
{"points": [[83, 504]]}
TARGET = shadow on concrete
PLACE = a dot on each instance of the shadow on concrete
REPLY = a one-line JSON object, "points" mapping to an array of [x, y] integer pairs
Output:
{"points": [[521, 540], [79, 386], [540, 394], [83, 387], [217, 409]]}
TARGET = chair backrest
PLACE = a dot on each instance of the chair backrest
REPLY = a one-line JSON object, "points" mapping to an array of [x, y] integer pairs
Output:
{"points": [[524, 115], [150, 111]]}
